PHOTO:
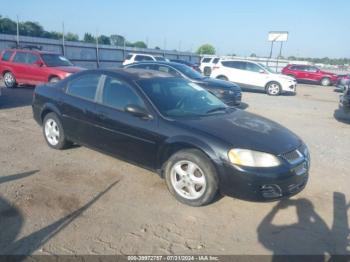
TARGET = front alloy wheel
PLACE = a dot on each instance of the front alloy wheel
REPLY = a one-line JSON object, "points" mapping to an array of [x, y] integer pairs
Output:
{"points": [[273, 89], [52, 132], [191, 177], [325, 81], [188, 180]]}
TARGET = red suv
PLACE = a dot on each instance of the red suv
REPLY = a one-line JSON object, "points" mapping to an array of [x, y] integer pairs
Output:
{"points": [[311, 74], [18, 66]]}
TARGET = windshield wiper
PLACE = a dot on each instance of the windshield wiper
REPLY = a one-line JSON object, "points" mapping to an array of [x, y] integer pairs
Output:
{"points": [[221, 108]]}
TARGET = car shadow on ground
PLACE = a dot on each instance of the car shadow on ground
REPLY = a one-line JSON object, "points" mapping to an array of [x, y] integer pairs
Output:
{"points": [[12, 221], [16, 97], [341, 116], [255, 91], [310, 234], [243, 106]]}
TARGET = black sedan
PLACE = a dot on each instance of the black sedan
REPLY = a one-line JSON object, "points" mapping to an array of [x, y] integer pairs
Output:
{"points": [[228, 92], [177, 128], [192, 65]]}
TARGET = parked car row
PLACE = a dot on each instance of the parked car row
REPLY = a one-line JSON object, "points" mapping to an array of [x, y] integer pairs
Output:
{"points": [[174, 126], [229, 93]]}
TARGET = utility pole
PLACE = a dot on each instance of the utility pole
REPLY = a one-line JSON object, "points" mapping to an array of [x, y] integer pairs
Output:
{"points": [[63, 46], [97, 51], [17, 38]]}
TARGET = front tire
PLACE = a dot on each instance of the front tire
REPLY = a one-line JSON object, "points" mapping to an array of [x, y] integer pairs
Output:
{"points": [[10, 80], [191, 177], [325, 81], [273, 89], [54, 133]]}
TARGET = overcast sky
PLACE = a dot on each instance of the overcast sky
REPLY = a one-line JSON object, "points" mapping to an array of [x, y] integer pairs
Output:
{"points": [[317, 28]]}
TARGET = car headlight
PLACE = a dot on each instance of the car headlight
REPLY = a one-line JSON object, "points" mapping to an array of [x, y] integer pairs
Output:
{"points": [[246, 157]]}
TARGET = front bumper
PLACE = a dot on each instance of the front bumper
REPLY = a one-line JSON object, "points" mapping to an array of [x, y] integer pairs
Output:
{"points": [[289, 87], [264, 184], [232, 99]]}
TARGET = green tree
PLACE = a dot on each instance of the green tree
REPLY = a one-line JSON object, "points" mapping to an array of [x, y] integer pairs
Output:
{"points": [[104, 40], [31, 29], [129, 44], [7, 26], [206, 49], [140, 44], [89, 38], [55, 35], [71, 37], [117, 40]]}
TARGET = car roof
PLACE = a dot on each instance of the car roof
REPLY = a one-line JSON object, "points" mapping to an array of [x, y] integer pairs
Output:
{"points": [[157, 55], [132, 73]]}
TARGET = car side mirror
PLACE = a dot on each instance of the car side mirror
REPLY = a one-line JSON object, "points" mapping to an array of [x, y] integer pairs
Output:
{"points": [[138, 111]]}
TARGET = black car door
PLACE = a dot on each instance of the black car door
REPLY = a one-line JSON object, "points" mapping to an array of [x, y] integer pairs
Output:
{"points": [[78, 108], [121, 133]]}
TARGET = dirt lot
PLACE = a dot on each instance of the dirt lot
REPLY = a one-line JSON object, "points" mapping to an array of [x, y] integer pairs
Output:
{"points": [[79, 201]]}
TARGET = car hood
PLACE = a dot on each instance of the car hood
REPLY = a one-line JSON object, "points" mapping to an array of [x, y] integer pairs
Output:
{"points": [[240, 129], [216, 83], [285, 77], [328, 73], [69, 69]]}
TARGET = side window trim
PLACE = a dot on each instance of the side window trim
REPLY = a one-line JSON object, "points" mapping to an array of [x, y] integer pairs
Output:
{"points": [[83, 98], [100, 100]]}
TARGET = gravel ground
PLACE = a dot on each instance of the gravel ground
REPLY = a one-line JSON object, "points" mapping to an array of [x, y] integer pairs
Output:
{"points": [[79, 201]]}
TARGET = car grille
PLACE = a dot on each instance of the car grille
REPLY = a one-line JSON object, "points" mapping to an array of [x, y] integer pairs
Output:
{"points": [[295, 156]]}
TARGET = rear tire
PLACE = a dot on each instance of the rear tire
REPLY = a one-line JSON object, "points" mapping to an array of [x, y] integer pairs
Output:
{"points": [[54, 133], [325, 81], [222, 78], [273, 88], [10, 80], [191, 177], [54, 79]]}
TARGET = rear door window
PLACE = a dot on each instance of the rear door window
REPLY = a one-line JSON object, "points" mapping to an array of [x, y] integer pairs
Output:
{"points": [[216, 60], [20, 57], [7, 55], [206, 60], [84, 86], [31, 58], [253, 67], [235, 64], [143, 58]]}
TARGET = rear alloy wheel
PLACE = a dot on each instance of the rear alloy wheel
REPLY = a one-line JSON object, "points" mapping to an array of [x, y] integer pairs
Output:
{"points": [[222, 78], [9, 80], [191, 177], [325, 81], [273, 89], [53, 132]]}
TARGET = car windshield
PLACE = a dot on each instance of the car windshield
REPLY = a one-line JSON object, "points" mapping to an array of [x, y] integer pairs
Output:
{"points": [[178, 98], [188, 71], [53, 60], [268, 69], [159, 58]]}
